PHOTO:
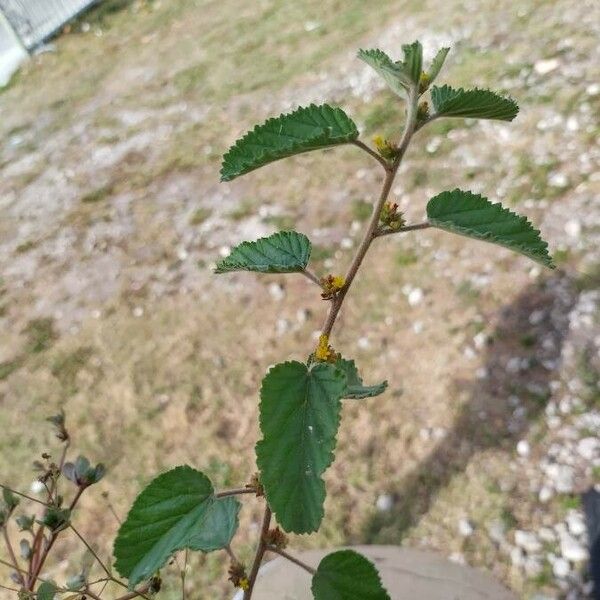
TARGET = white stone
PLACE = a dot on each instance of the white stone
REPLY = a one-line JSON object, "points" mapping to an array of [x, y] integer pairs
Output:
{"points": [[517, 557], [558, 180], [363, 343], [561, 477], [384, 503], [593, 89], [547, 535], [573, 228], [465, 528], [572, 550], [523, 448], [588, 448], [545, 494], [543, 67], [561, 568], [528, 541], [415, 297], [277, 292], [533, 566], [138, 311], [576, 523]]}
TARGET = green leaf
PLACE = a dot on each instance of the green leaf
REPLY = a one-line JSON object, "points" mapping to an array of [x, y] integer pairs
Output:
{"points": [[355, 389], [474, 216], [413, 60], [219, 527], [46, 591], [347, 575], [299, 420], [175, 511], [305, 129], [282, 252], [391, 72], [473, 104], [436, 64]]}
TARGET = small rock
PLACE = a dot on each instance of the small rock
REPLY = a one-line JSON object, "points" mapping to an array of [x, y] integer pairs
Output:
{"points": [[575, 523], [363, 343], [465, 528], [517, 556], [138, 311], [588, 448], [533, 566], [561, 568], [558, 180], [545, 494], [561, 477], [543, 67], [547, 535], [572, 550], [384, 503], [496, 530], [523, 448], [528, 541], [277, 291], [573, 228], [415, 297]]}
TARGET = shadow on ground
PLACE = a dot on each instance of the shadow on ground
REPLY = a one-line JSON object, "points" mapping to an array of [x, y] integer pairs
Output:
{"points": [[521, 359]]}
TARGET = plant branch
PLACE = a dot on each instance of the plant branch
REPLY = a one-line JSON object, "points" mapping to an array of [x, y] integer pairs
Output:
{"points": [[374, 154], [235, 492], [370, 233], [5, 487], [260, 552], [310, 275], [404, 229], [291, 558], [93, 552], [12, 555]]}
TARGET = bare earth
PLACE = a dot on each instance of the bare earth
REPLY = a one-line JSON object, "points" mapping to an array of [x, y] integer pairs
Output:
{"points": [[111, 217]]}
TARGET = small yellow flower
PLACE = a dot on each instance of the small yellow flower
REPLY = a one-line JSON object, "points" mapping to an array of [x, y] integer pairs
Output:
{"points": [[324, 352], [386, 148], [424, 81], [331, 285], [244, 583]]}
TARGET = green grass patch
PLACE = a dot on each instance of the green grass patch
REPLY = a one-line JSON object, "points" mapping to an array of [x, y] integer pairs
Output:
{"points": [[98, 194], [40, 335]]}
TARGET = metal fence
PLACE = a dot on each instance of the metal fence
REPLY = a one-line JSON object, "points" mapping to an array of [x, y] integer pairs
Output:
{"points": [[34, 21]]}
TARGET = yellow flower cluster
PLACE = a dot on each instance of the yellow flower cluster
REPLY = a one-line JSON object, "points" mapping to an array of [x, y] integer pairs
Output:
{"points": [[331, 285], [386, 148], [324, 352]]}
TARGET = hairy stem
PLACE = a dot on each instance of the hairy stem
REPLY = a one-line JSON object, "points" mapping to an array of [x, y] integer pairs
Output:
{"points": [[260, 552], [310, 275], [235, 492], [92, 551], [404, 229], [371, 231], [12, 555], [372, 153], [291, 558]]}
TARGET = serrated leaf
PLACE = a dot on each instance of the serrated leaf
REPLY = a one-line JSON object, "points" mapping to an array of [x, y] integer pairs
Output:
{"points": [[299, 420], [413, 60], [46, 591], [392, 73], [219, 527], [474, 216], [355, 389], [282, 252], [175, 511], [347, 575], [307, 128], [437, 63], [473, 104]]}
